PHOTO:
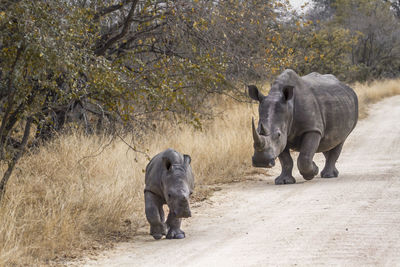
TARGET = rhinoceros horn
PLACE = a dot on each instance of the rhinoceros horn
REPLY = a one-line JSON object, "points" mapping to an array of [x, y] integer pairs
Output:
{"points": [[258, 141]]}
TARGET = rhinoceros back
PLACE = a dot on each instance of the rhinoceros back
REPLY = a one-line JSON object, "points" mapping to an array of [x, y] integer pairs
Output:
{"points": [[338, 107]]}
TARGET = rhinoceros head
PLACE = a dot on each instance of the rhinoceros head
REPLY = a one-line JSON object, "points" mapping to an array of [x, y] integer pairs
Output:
{"points": [[275, 113], [176, 187]]}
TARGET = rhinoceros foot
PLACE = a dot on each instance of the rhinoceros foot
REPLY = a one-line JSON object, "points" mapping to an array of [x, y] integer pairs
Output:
{"points": [[157, 231], [329, 173], [310, 176], [175, 234], [285, 179], [157, 236]]}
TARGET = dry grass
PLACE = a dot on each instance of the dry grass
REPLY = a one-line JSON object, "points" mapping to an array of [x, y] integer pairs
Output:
{"points": [[369, 93], [69, 197]]}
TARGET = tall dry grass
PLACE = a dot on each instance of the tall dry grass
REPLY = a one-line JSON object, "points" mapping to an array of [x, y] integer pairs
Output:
{"points": [[79, 193], [369, 93]]}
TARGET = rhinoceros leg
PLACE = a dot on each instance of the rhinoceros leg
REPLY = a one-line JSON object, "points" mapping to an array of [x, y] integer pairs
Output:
{"points": [[287, 166], [155, 215], [305, 163], [174, 225], [331, 157]]}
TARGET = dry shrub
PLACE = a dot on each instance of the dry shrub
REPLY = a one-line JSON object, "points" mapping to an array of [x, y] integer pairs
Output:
{"points": [[81, 192]]}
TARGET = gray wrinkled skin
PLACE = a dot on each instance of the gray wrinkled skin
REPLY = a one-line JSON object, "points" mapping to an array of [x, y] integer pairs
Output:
{"points": [[169, 180], [309, 114]]}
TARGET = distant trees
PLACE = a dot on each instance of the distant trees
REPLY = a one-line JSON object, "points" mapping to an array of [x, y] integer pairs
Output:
{"points": [[374, 27], [377, 52]]}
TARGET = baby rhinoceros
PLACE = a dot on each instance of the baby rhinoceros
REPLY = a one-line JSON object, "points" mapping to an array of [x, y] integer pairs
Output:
{"points": [[169, 180]]}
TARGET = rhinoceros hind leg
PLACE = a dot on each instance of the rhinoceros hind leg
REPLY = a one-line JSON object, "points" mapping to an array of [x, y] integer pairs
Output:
{"points": [[331, 157], [287, 165], [174, 225], [155, 215], [305, 163]]}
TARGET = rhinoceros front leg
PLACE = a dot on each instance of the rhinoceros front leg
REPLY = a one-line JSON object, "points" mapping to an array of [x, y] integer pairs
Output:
{"points": [[155, 215], [174, 225], [305, 163], [331, 157], [287, 166]]}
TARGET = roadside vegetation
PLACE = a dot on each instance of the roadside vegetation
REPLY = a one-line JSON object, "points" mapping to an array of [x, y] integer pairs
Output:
{"points": [[89, 90]]}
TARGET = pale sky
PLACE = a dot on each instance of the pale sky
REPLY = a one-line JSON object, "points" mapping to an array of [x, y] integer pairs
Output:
{"points": [[298, 3]]}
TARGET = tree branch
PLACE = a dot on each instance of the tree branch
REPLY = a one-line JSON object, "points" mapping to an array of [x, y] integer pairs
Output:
{"points": [[101, 50], [110, 9]]}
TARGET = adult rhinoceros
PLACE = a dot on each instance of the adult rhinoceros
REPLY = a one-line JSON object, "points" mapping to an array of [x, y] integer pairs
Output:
{"points": [[309, 114]]}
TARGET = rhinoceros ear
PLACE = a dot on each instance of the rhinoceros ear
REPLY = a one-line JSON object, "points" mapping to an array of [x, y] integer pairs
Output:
{"points": [[186, 159], [167, 163], [254, 93], [287, 92]]}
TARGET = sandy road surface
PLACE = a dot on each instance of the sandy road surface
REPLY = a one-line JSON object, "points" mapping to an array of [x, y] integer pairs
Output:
{"points": [[351, 220]]}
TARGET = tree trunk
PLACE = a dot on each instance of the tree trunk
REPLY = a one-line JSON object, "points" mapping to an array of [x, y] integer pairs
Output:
{"points": [[10, 104], [11, 165]]}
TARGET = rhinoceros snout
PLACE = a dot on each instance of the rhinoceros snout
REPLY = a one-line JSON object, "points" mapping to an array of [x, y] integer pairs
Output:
{"points": [[182, 213], [179, 206], [263, 163], [187, 214]]}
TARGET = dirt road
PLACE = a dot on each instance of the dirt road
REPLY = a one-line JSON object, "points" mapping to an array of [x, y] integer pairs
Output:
{"points": [[351, 220]]}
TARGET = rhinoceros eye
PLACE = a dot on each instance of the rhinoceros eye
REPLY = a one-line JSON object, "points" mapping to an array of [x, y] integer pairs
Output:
{"points": [[277, 133]]}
